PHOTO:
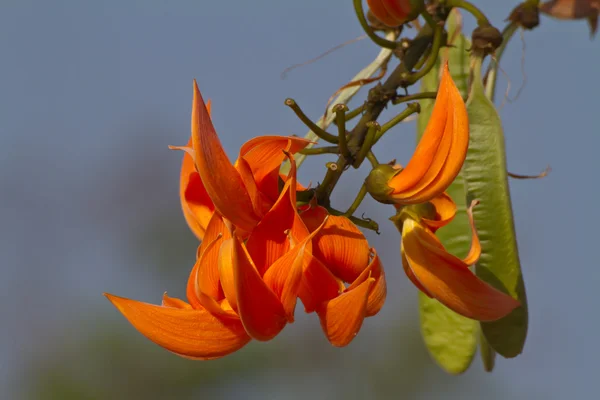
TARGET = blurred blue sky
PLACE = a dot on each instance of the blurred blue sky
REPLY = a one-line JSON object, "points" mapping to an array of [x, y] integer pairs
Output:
{"points": [[91, 94]]}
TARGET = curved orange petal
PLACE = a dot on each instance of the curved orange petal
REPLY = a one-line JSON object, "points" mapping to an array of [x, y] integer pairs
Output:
{"points": [[475, 249], [318, 284], [378, 291], [204, 277], [226, 274], [284, 277], [221, 180], [449, 280], [196, 204], [438, 162], [457, 153], [445, 209], [264, 155], [261, 202], [409, 273], [269, 240], [173, 302], [259, 308], [428, 145], [342, 317], [340, 245], [187, 332], [441, 152]]}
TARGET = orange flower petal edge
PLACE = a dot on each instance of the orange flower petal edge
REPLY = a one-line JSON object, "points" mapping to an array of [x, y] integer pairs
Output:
{"points": [[196, 204], [342, 317], [441, 151], [340, 245], [448, 279], [221, 179], [191, 333]]}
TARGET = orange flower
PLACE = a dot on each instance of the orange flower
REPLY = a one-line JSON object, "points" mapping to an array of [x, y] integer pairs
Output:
{"points": [[237, 290], [438, 157], [243, 192], [392, 13], [441, 275], [340, 253], [256, 256]]}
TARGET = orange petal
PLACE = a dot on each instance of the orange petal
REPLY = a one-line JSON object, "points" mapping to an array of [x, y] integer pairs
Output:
{"points": [[378, 291], [221, 180], [269, 240], [264, 155], [340, 245], [475, 250], [284, 278], [449, 280], [318, 284], [428, 145], [438, 162], [259, 308], [458, 118], [441, 152], [186, 332], [285, 275], [342, 317], [445, 209], [196, 204], [226, 274], [174, 303], [260, 201], [205, 274], [409, 273]]}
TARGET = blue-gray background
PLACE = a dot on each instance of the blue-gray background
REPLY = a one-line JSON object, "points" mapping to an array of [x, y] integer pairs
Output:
{"points": [[91, 94]]}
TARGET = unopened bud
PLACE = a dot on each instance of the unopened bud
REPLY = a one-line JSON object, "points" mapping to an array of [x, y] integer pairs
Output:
{"points": [[486, 39], [377, 182]]}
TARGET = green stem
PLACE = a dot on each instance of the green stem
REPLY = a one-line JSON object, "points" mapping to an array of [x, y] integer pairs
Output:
{"points": [[373, 109], [470, 8], [433, 56], [411, 108], [340, 117], [317, 130], [354, 113], [416, 96], [492, 72], [372, 133], [320, 150], [360, 14], [372, 159], [423, 59], [357, 200]]}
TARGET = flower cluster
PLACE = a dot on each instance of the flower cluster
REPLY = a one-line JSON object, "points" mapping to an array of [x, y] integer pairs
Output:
{"points": [[261, 249], [259, 253]]}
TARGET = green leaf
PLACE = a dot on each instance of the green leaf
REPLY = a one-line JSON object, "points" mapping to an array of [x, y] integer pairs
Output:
{"points": [[487, 181], [450, 338], [488, 355]]}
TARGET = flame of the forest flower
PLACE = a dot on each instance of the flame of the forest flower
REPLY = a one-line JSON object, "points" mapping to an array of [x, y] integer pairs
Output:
{"points": [[443, 276], [438, 158]]}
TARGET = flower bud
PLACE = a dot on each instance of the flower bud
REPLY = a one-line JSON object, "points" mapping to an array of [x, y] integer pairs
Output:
{"points": [[486, 39], [394, 13], [377, 182]]}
